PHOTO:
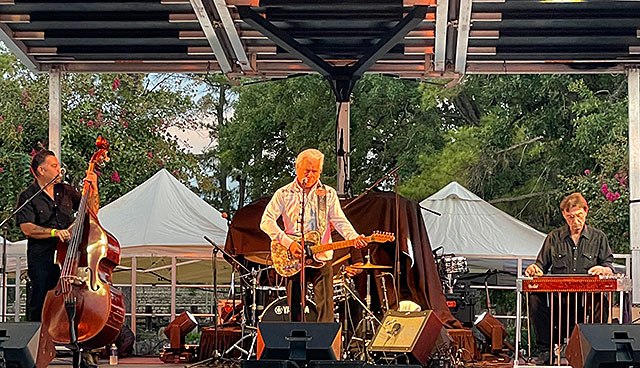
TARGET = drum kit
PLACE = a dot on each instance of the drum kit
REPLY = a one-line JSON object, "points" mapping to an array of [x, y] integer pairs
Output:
{"points": [[260, 303]]}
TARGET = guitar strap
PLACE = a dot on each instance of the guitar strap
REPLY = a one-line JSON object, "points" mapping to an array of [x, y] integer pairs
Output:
{"points": [[321, 192]]}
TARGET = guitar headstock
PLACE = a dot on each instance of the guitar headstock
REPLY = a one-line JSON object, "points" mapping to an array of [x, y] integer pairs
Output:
{"points": [[382, 237]]}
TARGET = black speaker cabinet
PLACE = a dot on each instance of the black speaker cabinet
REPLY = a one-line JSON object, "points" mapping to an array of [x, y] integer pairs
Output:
{"points": [[19, 341], [414, 333], [299, 341], [601, 345]]}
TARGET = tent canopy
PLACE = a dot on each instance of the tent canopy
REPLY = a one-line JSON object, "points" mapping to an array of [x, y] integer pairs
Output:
{"points": [[469, 226], [162, 217]]}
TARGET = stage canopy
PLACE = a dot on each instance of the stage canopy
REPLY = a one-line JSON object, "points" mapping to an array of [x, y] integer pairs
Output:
{"points": [[162, 217], [278, 38], [469, 226]]}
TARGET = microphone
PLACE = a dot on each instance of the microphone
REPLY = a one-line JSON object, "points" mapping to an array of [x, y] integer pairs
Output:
{"points": [[62, 171], [395, 329]]}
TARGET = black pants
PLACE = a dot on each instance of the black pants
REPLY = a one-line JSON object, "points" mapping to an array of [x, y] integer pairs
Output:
{"points": [[44, 275], [322, 279], [540, 313]]}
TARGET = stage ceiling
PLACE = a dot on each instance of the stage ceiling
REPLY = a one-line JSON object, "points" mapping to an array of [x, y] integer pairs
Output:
{"points": [[279, 38]]}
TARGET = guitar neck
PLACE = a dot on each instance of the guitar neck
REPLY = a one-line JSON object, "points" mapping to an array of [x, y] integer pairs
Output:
{"points": [[337, 245]]}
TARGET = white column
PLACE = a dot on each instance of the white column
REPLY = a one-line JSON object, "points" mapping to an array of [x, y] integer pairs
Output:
{"points": [[134, 295], [55, 112], [633, 77], [173, 288], [343, 143]]}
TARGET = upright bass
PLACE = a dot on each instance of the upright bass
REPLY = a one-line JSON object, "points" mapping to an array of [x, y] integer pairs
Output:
{"points": [[84, 310]]}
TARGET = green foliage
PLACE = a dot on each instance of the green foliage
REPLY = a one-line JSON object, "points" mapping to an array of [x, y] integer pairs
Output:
{"points": [[132, 111]]}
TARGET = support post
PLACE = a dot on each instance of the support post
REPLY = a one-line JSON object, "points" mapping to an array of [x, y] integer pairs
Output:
{"points": [[633, 78], [173, 287], [55, 112], [343, 144], [16, 300], [134, 294]]}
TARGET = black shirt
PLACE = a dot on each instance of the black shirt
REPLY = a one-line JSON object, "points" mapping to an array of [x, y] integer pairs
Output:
{"points": [[560, 255], [45, 212]]}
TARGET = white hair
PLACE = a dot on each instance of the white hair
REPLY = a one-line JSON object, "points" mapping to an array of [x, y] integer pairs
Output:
{"points": [[312, 154]]}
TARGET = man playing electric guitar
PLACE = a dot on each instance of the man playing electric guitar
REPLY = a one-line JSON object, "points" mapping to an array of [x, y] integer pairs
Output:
{"points": [[321, 208]]}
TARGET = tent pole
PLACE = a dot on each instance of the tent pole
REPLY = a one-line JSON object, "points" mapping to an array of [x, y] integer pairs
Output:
{"points": [[173, 288], [633, 77], [134, 294], [16, 300]]}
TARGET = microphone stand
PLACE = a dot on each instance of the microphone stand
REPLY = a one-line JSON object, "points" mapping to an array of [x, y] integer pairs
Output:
{"points": [[217, 248], [303, 285], [4, 243]]}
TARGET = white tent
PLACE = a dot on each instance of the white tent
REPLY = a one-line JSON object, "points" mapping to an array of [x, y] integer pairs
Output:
{"points": [[162, 217], [471, 227]]}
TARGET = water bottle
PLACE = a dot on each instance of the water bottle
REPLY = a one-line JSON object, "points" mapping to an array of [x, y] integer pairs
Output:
{"points": [[113, 356]]}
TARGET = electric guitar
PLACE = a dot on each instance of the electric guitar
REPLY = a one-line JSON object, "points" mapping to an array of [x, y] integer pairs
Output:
{"points": [[287, 265]]}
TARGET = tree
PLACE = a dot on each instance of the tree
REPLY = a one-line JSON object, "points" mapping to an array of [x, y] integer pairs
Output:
{"points": [[132, 111]]}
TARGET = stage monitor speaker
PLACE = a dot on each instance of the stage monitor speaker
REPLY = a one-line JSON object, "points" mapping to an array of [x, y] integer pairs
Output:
{"points": [[19, 342], [299, 341], [602, 345], [413, 333]]}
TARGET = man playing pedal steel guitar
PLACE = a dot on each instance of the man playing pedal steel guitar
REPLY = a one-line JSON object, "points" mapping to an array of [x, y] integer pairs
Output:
{"points": [[321, 208], [573, 249]]}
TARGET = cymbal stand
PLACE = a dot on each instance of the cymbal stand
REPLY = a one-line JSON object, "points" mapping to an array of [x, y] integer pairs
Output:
{"points": [[385, 298], [369, 319], [243, 323]]}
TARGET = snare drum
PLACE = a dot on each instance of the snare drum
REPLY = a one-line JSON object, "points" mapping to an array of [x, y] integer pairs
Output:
{"points": [[452, 265], [278, 311]]}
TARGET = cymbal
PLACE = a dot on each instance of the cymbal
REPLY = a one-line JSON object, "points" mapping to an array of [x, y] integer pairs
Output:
{"points": [[371, 266]]}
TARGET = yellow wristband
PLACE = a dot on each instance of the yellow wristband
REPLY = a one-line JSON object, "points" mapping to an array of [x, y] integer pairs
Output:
{"points": [[53, 233]]}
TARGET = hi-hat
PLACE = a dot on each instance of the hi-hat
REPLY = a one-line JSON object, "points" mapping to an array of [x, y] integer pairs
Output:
{"points": [[371, 266]]}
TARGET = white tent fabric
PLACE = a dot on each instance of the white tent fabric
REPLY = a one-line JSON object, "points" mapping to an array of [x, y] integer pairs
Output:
{"points": [[15, 251], [161, 217], [471, 227]]}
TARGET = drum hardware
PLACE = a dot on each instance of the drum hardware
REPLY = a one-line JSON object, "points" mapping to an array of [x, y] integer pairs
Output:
{"points": [[450, 267], [370, 318]]}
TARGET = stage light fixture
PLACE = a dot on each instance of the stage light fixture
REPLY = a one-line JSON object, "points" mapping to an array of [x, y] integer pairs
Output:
{"points": [[176, 331]]}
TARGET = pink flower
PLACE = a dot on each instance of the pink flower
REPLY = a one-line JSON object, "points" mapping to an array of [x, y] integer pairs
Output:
{"points": [[175, 172], [125, 124], [623, 181], [20, 128], [624, 234], [92, 91], [90, 123], [115, 177], [82, 120], [116, 83], [149, 154], [587, 172], [616, 176], [1, 118], [33, 152], [604, 189], [160, 163], [1, 170], [611, 197], [97, 172]]}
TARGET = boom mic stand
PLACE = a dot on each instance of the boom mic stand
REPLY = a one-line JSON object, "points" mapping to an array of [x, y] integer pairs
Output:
{"points": [[4, 242]]}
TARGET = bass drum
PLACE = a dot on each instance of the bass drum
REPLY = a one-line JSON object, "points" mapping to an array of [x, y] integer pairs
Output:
{"points": [[278, 311]]}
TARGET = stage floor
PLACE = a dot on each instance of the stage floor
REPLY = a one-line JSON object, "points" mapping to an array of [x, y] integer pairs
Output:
{"points": [[128, 362]]}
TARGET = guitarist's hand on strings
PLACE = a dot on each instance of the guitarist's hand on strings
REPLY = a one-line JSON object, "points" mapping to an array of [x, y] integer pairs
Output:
{"points": [[296, 249]]}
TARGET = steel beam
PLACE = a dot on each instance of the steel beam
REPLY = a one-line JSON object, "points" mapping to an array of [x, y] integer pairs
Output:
{"points": [[204, 18], [232, 33], [18, 48], [464, 26], [285, 41], [442, 27]]}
